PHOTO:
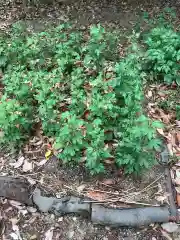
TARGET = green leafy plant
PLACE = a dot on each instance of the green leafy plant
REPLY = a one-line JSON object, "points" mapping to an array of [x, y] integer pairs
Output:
{"points": [[86, 98], [163, 55], [178, 112], [162, 48]]}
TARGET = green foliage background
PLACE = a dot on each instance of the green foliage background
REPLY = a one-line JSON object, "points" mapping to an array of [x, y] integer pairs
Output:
{"points": [[88, 98]]}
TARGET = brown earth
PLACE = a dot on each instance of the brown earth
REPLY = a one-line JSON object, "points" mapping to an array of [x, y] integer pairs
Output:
{"points": [[31, 224]]}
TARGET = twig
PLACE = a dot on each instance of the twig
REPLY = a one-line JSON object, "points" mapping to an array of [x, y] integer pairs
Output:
{"points": [[137, 193], [129, 190], [143, 190], [108, 185], [148, 187], [98, 190], [120, 200], [68, 187], [166, 235], [138, 203], [28, 174]]}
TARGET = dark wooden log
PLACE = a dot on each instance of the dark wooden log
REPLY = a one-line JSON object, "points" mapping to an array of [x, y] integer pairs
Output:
{"points": [[16, 189], [19, 190], [169, 185], [134, 217], [61, 206]]}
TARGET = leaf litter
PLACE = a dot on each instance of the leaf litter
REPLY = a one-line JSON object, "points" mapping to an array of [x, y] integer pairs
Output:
{"points": [[161, 106], [106, 187]]}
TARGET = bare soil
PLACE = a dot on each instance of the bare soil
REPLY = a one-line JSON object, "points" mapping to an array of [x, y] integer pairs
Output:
{"points": [[56, 179]]}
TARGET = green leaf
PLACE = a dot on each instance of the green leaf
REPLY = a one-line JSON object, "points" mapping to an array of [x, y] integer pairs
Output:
{"points": [[58, 145], [168, 78], [157, 124]]}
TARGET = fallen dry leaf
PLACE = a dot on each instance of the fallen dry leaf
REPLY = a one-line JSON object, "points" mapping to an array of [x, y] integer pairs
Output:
{"points": [[160, 131], [19, 162], [165, 117], [15, 204], [48, 154], [177, 164], [178, 138], [177, 181], [16, 234], [31, 209], [33, 237], [14, 221], [178, 154], [178, 199], [23, 211], [2, 226], [1, 134], [99, 196], [81, 188], [166, 235], [172, 174], [31, 181], [108, 182], [178, 123], [170, 227], [27, 166], [109, 161], [42, 162], [173, 138], [160, 189], [149, 93], [177, 190], [49, 234], [177, 173], [32, 220], [168, 137], [170, 149], [161, 199], [162, 94]]}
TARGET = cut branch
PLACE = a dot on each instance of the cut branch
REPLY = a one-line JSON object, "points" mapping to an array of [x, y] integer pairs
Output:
{"points": [[16, 189]]}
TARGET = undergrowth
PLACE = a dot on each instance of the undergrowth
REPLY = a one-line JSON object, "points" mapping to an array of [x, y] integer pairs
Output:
{"points": [[88, 98], [161, 59]]}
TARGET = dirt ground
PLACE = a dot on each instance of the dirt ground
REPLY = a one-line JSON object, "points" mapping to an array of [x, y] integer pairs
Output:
{"points": [[21, 222]]}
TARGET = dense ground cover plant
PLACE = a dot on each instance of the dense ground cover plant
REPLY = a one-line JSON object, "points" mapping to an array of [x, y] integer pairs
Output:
{"points": [[161, 58], [178, 112], [86, 97], [162, 48], [163, 55]]}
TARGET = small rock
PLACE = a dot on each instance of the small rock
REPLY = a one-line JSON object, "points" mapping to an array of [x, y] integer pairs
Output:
{"points": [[27, 166], [52, 165], [107, 228], [169, 227], [31, 209], [81, 188], [105, 238], [23, 211], [70, 234], [33, 237], [149, 94], [153, 238], [60, 219], [31, 181]]}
